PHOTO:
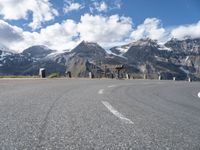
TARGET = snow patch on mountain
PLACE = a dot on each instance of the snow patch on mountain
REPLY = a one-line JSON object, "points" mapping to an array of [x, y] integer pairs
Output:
{"points": [[54, 54], [163, 47], [111, 53], [186, 59], [184, 70], [4, 54], [122, 49]]}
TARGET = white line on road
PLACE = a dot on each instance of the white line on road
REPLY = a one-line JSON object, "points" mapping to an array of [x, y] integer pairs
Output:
{"points": [[116, 113], [101, 91], [199, 94], [111, 86]]}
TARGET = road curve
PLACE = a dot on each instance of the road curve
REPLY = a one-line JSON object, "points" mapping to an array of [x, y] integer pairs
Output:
{"points": [[99, 114]]}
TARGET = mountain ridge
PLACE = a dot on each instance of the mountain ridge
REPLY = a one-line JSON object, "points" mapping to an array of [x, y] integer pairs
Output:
{"points": [[180, 58]]}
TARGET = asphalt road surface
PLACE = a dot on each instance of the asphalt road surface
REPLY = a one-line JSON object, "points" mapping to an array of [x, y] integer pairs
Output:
{"points": [[99, 114]]}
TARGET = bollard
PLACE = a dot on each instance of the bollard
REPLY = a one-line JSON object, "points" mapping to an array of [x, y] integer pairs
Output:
{"points": [[68, 74], [189, 80], [159, 78], [145, 76], [174, 78], [127, 76], [42, 72], [90, 75]]}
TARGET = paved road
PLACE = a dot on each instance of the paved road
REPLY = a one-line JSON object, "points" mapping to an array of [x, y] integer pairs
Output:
{"points": [[99, 114]]}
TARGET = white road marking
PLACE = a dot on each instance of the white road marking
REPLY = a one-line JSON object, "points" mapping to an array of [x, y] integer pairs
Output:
{"points": [[116, 113], [101, 91], [199, 94], [111, 86]]}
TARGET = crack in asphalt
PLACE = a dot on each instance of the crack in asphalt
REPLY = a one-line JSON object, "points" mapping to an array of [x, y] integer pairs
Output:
{"points": [[45, 121]]}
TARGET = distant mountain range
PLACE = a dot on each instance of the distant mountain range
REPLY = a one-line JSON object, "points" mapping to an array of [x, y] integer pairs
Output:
{"points": [[176, 58]]}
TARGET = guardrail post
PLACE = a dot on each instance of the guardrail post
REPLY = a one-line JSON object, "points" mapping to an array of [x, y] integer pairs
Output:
{"points": [[42, 72], [159, 78], [127, 76], [145, 76], [90, 75]]}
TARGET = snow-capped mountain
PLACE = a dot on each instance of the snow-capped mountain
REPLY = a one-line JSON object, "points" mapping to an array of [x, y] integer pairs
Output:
{"points": [[89, 50], [37, 51], [4, 53], [187, 45], [120, 50], [86, 57], [174, 58]]}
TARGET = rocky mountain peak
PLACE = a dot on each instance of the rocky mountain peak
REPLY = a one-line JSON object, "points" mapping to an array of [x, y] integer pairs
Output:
{"points": [[187, 45], [140, 56], [145, 43], [142, 43], [89, 49], [37, 51]]}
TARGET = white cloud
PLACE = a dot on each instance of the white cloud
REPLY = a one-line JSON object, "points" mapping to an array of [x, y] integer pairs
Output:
{"points": [[9, 34], [108, 31], [105, 6], [103, 29], [60, 36], [99, 6], [42, 11], [117, 4], [71, 6], [66, 35], [57, 36], [151, 28], [186, 31]]}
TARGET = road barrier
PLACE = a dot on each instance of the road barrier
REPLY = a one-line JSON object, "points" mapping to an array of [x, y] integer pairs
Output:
{"points": [[91, 75], [159, 78], [42, 72], [127, 76], [145, 76]]}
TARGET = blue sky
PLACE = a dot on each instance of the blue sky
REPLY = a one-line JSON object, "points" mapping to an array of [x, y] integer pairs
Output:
{"points": [[62, 24], [171, 12]]}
